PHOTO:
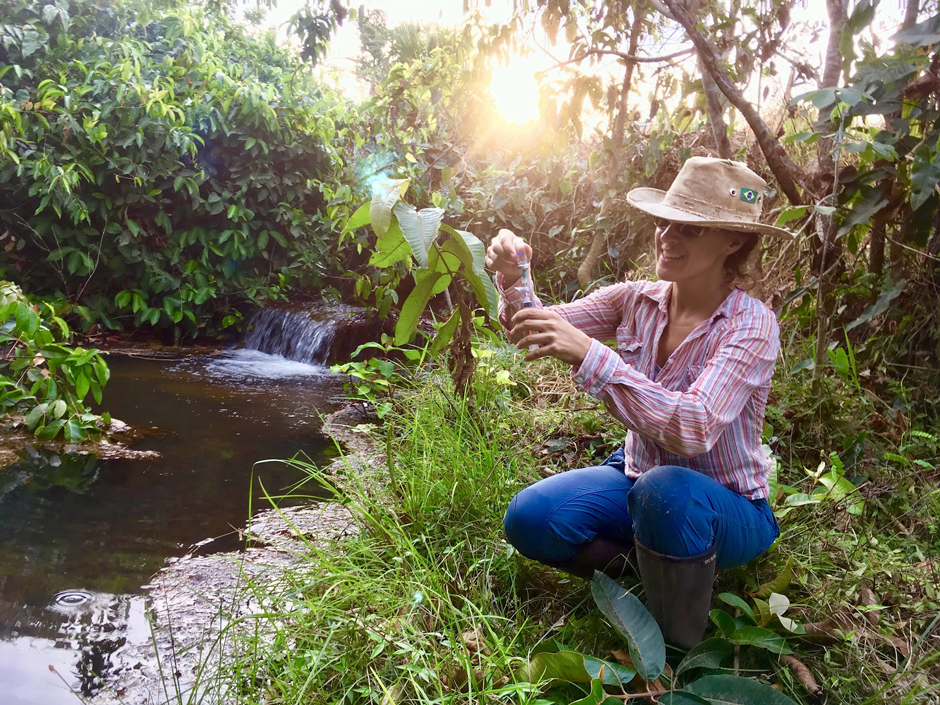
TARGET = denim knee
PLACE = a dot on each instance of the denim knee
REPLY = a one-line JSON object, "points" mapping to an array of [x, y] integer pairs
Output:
{"points": [[667, 517], [527, 525]]}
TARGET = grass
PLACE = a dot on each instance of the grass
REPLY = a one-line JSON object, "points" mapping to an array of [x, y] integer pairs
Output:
{"points": [[428, 604]]}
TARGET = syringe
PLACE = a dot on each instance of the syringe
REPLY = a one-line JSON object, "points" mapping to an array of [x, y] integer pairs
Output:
{"points": [[525, 286]]}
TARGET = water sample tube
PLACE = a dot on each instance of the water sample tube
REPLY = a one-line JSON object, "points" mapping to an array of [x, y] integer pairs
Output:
{"points": [[525, 287]]}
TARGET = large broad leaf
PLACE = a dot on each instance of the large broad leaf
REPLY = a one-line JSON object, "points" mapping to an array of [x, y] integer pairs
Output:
{"points": [[923, 34], [709, 654], [729, 598], [734, 690], [634, 622], [573, 667], [762, 638], [361, 217], [419, 227], [468, 248], [724, 622], [390, 248], [680, 697], [597, 696], [880, 306], [413, 307], [445, 334], [384, 198], [925, 174]]}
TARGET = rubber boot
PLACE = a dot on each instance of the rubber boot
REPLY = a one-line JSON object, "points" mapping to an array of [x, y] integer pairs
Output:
{"points": [[610, 557], [678, 593]]}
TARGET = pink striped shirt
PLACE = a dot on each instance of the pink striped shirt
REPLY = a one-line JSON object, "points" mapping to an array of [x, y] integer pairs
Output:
{"points": [[705, 410]]}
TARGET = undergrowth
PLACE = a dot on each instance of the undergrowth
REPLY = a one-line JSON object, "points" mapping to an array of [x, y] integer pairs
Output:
{"points": [[429, 604]]}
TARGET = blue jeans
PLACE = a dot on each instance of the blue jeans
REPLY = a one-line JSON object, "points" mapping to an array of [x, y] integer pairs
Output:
{"points": [[672, 510]]}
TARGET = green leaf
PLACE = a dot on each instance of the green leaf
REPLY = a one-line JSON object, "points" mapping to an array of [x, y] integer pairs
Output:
{"points": [[779, 583], [634, 622], [82, 383], [709, 654], [445, 334], [420, 228], [761, 638], [734, 690], [922, 34], [734, 601], [925, 174], [597, 696], [413, 307], [724, 622], [383, 201], [58, 409], [559, 665], [788, 214], [390, 248], [358, 219], [880, 306], [468, 248], [573, 667], [35, 415], [680, 697]]}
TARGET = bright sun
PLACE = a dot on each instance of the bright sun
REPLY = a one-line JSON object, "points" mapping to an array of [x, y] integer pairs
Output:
{"points": [[515, 90]]}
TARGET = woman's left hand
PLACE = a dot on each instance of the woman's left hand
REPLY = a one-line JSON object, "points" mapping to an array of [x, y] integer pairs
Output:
{"points": [[552, 333]]}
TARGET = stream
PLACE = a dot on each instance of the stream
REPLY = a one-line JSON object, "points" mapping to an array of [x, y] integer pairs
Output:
{"points": [[80, 537]]}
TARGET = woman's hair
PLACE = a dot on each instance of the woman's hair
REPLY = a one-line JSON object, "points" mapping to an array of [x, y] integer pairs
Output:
{"points": [[736, 269]]}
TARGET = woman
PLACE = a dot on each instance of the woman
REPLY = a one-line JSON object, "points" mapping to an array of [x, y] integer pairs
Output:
{"points": [[689, 379]]}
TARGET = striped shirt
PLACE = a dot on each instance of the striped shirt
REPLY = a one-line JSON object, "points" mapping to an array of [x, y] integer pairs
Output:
{"points": [[705, 410]]}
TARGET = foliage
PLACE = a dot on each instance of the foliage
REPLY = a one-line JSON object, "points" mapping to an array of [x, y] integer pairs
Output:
{"points": [[648, 656], [162, 167], [43, 381], [403, 232]]}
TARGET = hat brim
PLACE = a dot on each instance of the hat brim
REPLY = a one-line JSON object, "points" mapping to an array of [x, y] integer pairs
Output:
{"points": [[650, 200]]}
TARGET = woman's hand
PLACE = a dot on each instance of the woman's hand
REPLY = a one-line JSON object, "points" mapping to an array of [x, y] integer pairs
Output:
{"points": [[501, 255], [552, 333]]}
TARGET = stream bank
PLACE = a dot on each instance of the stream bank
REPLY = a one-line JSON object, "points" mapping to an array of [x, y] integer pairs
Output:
{"points": [[196, 601]]}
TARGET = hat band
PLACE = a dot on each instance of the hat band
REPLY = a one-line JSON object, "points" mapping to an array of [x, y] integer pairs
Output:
{"points": [[704, 209]]}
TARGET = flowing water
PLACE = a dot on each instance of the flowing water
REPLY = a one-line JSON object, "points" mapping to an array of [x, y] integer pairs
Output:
{"points": [[79, 537]]}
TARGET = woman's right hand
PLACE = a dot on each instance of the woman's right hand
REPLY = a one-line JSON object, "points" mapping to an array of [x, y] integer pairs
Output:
{"points": [[501, 255]]}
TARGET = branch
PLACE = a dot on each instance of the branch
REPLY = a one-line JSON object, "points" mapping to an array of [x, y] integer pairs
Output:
{"points": [[622, 55], [788, 174]]}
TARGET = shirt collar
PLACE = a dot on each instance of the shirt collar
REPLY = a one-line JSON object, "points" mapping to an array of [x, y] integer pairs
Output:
{"points": [[660, 291]]}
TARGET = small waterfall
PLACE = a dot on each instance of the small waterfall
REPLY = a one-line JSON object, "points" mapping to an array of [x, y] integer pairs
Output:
{"points": [[304, 336]]}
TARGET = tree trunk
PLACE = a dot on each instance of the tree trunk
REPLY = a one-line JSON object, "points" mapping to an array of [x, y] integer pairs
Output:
{"points": [[586, 269], [716, 112], [788, 174], [910, 14]]}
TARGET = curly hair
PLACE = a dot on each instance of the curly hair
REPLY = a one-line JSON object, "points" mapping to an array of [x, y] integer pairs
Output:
{"points": [[736, 264]]}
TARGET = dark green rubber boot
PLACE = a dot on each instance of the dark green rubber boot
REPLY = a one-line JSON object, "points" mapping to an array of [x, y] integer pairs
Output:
{"points": [[612, 557], [678, 593]]}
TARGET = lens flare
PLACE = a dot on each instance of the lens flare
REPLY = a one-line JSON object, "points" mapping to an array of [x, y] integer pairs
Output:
{"points": [[515, 90]]}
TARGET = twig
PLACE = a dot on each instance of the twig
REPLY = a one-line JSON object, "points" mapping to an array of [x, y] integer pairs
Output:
{"points": [[622, 55], [71, 689], [894, 520]]}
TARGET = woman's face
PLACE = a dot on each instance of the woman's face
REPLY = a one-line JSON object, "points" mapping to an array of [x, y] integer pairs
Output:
{"points": [[686, 253]]}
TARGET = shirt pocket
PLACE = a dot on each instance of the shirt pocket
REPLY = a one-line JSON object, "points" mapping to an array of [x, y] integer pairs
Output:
{"points": [[629, 346]]}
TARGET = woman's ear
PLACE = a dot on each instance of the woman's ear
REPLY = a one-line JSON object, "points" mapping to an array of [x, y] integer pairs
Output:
{"points": [[735, 242]]}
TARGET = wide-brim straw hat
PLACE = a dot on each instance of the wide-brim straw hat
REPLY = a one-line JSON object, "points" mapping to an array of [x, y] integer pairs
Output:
{"points": [[718, 193]]}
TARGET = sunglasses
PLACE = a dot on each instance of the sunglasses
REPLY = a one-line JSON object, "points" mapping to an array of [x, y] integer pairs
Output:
{"points": [[684, 229]]}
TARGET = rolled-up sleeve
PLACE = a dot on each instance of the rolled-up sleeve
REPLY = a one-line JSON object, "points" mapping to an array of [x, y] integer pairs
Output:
{"points": [[688, 423]]}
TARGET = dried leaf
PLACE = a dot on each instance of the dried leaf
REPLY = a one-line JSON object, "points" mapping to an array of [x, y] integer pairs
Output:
{"points": [[802, 673]]}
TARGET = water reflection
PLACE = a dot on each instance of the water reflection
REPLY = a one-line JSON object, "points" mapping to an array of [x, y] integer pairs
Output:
{"points": [[79, 537]]}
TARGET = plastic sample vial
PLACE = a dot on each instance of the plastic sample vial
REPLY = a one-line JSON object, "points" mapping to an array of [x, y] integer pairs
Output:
{"points": [[525, 287]]}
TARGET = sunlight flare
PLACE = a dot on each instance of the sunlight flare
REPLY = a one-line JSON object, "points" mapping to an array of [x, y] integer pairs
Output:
{"points": [[515, 90]]}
